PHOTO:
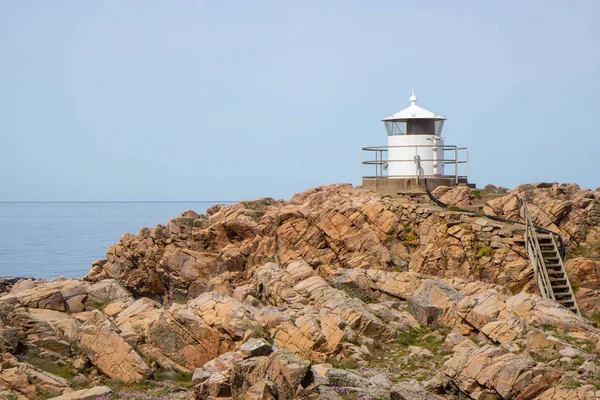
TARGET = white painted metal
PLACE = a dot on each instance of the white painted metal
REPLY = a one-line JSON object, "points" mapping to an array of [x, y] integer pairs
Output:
{"points": [[418, 131], [413, 112], [401, 159]]}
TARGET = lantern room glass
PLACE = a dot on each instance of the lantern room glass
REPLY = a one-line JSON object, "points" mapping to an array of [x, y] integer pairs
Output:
{"points": [[394, 128]]}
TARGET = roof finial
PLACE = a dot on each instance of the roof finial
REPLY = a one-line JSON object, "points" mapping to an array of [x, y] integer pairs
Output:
{"points": [[413, 98]]}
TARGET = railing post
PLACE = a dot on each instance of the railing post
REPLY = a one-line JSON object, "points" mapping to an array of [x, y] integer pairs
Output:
{"points": [[456, 165], [467, 163], [361, 167]]}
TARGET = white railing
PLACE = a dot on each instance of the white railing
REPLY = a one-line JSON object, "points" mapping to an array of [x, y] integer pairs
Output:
{"points": [[375, 160]]}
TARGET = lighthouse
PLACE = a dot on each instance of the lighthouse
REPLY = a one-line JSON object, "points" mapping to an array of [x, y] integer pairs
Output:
{"points": [[416, 157]]}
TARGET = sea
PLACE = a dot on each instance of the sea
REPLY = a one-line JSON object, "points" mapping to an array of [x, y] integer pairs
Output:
{"points": [[49, 240]]}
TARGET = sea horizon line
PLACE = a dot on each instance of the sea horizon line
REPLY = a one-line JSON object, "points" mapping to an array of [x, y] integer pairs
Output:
{"points": [[116, 201]]}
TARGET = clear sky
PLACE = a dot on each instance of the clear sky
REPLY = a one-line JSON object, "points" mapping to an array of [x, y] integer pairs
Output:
{"points": [[231, 100]]}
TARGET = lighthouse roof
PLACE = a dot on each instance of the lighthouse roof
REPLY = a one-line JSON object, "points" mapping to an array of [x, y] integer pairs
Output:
{"points": [[413, 112]]}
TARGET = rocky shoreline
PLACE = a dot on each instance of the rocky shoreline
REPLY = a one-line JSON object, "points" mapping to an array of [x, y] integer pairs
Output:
{"points": [[338, 293]]}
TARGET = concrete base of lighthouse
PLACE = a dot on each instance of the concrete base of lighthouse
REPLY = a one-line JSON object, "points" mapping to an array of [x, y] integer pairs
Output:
{"points": [[401, 186]]}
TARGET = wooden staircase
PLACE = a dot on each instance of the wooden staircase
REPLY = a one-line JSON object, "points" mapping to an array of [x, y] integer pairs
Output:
{"points": [[548, 269]]}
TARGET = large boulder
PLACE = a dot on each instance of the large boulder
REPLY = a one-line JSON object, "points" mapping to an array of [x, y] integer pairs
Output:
{"points": [[110, 353]]}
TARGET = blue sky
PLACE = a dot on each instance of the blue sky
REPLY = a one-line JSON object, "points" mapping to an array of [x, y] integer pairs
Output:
{"points": [[191, 100]]}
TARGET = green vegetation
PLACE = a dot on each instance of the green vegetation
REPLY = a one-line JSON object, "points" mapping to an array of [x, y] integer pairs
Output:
{"points": [[258, 204], [571, 383], [427, 337], [42, 394], [566, 337], [577, 361], [187, 221], [353, 290], [49, 366], [476, 194], [396, 357], [160, 231], [97, 305], [410, 239], [148, 390], [586, 251], [179, 377], [575, 286], [342, 364], [549, 327], [595, 316], [483, 251]]}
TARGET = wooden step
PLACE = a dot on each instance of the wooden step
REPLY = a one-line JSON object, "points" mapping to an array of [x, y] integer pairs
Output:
{"points": [[556, 275], [555, 271], [563, 294], [566, 302], [558, 282]]}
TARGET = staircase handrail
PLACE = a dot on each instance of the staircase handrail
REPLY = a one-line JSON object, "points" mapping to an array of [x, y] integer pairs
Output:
{"points": [[566, 278], [535, 255]]}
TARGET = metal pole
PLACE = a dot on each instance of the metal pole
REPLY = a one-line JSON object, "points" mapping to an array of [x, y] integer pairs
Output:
{"points": [[456, 165], [361, 167], [467, 163], [434, 150]]}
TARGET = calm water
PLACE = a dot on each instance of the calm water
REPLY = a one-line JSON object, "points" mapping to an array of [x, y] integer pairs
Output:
{"points": [[47, 240]]}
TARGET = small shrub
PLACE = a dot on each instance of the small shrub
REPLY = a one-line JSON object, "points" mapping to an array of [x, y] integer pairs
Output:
{"points": [[595, 316], [410, 239], [424, 337], [483, 251], [173, 376], [49, 366], [342, 364], [353, 290], [572, 383], [575, 287], [476, 195], [548, 327], [187, 221], [566, 337]]}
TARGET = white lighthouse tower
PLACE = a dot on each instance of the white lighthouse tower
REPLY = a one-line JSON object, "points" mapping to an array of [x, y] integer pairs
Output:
{"points": [[416, 157], [414, 134]]}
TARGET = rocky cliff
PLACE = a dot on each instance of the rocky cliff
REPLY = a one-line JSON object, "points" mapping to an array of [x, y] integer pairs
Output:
{"points": [[338, 293]]}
